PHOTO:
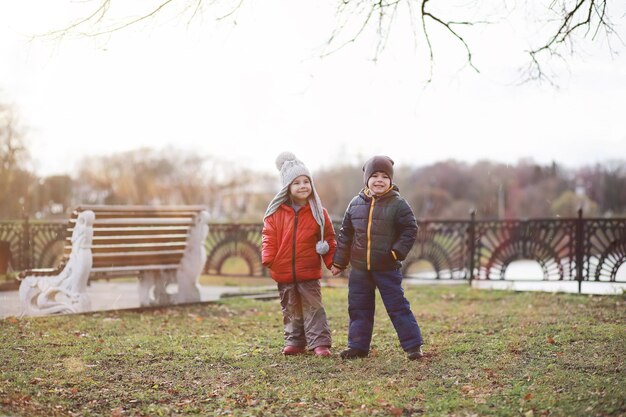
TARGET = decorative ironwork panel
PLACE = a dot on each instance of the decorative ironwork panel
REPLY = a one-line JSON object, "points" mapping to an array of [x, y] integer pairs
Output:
{"points": [[47, 241], [549, 242], [13, 233], [604, 245], [565, 249], [444, 245], [234, 240]]}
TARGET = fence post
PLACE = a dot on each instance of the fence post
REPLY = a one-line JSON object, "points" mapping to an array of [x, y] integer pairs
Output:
{"points": [[25, 258], [471, 245], [579, 249]]}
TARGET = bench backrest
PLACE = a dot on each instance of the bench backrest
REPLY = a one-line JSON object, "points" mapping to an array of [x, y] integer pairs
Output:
{"points": [[136, 238]]}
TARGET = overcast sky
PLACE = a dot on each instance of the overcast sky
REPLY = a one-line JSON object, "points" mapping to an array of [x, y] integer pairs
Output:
{"points": [[249, 88]]}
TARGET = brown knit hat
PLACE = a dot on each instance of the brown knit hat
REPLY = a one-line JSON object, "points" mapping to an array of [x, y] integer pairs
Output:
{"points": [[378, 163]]}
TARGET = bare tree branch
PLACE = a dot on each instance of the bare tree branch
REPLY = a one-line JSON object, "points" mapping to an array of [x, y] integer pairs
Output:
{"points": [[234, 10], [336, 32], [137, 20], [585, 14], [383, 15], [195, 11], [448, 25], [574, 18], [96, 17]]}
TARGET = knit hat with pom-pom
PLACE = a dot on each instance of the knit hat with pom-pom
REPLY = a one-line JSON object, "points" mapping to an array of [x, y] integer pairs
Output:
{"points": [[291, 168]]}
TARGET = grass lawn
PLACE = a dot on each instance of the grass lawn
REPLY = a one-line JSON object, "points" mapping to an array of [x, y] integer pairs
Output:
{"points": [[487, 353]]}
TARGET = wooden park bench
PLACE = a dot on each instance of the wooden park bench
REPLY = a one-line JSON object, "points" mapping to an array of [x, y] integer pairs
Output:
{"points": [[160, 245]]}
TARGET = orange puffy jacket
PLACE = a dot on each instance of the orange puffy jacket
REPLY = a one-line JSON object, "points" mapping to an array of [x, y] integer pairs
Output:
{"points": [[292, 259]]}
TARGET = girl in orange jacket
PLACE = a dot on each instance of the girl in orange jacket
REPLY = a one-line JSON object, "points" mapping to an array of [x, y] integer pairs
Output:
{"points": [[297, 232]]}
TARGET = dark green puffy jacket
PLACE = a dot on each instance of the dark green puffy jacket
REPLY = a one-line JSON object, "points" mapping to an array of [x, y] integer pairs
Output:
{"points": [[377, 233]]}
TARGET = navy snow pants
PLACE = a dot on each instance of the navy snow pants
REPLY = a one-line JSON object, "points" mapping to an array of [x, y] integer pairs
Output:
{"points": [[361, 305]]}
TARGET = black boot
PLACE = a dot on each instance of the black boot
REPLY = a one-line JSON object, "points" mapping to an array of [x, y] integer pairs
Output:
{"points": [[415, 353], [352, 353]]}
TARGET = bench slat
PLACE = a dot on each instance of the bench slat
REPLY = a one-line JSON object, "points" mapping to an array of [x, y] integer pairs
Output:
{"points": [[143, 214], [130, 239], [130, 254], [129, 249], [136, 260], [137, 245], [112, 247], [141, 222], [137, 248], [135, 268], [41, 272], [125, 231], [101, 207]]}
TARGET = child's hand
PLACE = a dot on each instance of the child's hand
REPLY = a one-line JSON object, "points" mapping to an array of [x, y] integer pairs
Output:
{"points": [[335, 271]]}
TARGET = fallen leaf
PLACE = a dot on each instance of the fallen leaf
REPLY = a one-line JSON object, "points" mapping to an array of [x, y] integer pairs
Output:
{"points": [[395, 411], [550, 340], [528, 396]]}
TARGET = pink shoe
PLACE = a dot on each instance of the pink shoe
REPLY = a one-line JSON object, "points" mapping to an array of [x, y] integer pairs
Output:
{"points": [[293, 350], [321, 351]]}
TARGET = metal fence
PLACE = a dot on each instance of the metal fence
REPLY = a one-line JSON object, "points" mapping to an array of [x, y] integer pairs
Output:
{"points": [[574, 249]]}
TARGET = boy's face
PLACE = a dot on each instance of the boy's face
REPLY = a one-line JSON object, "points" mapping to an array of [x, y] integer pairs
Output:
{"points": [[379, 182], [300, 189]]}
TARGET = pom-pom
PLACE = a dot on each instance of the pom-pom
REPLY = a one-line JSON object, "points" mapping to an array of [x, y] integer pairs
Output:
{"points": [[282, 158], [322, 247]]}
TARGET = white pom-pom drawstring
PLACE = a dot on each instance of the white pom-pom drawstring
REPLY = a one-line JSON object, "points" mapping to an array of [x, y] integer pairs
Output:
{"points": [[322, 247]]}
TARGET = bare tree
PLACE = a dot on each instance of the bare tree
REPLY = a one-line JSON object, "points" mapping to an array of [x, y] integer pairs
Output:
{"points": [[12, 149], [15, 179], [563, 23], [144, 176]]}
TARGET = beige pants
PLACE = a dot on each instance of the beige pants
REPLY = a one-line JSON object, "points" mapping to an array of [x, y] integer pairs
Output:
{"points": [[304, 316]]}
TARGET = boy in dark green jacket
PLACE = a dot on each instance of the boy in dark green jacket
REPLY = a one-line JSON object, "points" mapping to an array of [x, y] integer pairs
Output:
{"points": [[377, 233]]}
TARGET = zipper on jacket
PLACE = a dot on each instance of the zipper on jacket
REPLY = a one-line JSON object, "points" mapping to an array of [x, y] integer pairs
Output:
{"points": [[369, 234], [293, 247]]}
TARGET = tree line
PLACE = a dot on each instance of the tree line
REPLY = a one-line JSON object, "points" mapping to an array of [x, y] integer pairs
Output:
{"points": [[234, 193], [452, 189], [443, 190]]}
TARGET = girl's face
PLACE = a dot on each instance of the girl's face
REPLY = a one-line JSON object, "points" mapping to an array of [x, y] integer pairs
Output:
{"points": [[300, 190], [378, 183]]}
